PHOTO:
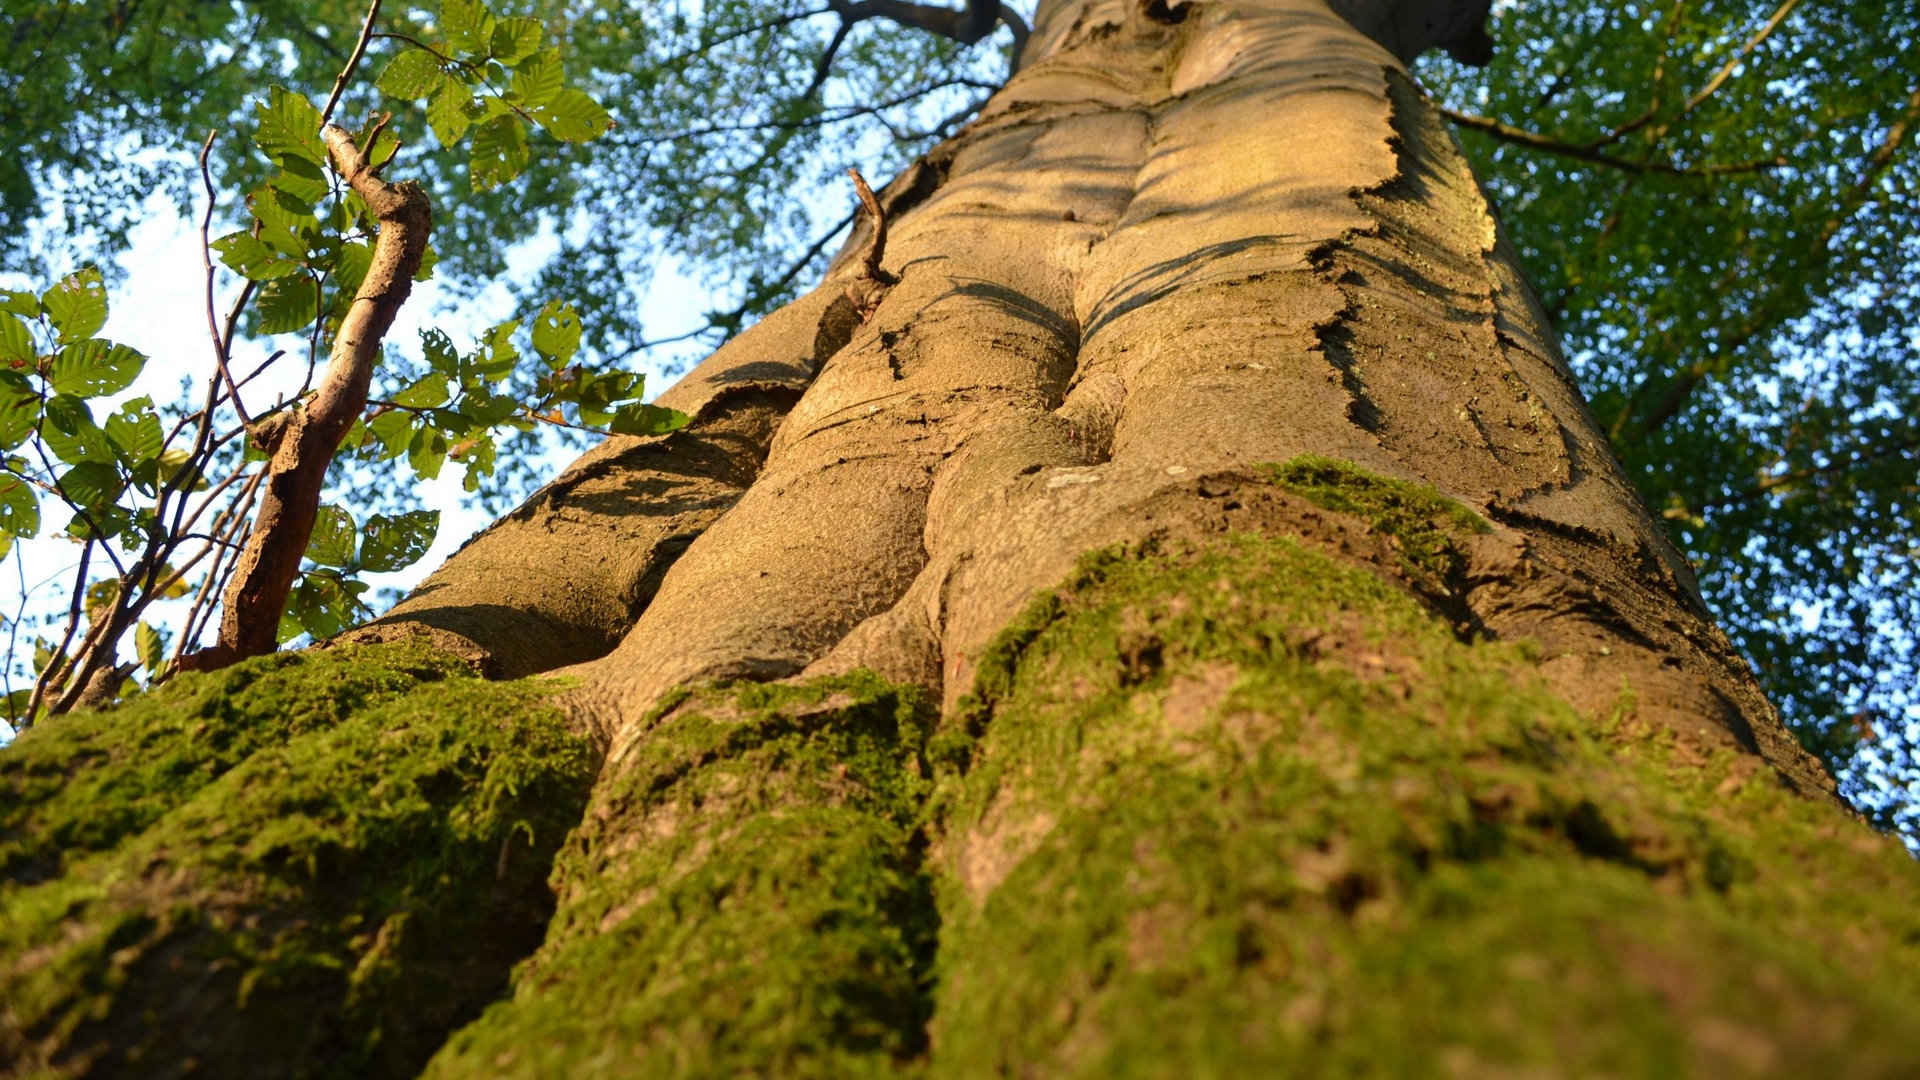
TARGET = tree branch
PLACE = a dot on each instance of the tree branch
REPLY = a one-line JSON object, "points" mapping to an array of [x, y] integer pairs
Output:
{"points": [[1764, 315], [1536, 141], [965, 25], [353, 62], [290, 494]]}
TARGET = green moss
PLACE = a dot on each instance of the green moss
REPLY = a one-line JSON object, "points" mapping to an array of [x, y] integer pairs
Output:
{"points": [[1422, 521], [745, 898], [84, 782], [354, 855], [1246, 810]]}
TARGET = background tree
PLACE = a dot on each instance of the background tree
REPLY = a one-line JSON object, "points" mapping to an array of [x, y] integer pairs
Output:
{"points": [[1168, 605]]}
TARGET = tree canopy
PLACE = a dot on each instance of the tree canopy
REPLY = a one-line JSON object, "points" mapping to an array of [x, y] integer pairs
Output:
{"points": [[1715, 199]]}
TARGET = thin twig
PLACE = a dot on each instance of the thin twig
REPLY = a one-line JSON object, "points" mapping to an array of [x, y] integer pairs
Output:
{"points": [[1720, 77], [55, 661], [220, 344], [1536, 141], [346, 73], [13, 641]]}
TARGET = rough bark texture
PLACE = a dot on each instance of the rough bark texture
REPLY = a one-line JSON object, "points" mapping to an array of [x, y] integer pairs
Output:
{"points": [[1189, 626]]}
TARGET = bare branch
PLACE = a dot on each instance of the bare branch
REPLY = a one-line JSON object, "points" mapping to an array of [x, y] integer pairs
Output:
{"points": [[346, 73], [1536, 141], [220, 344], [877, 247]]}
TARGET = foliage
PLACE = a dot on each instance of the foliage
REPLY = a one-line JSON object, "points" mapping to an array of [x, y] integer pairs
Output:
{"points": [[136, 483], [1717, 210]]}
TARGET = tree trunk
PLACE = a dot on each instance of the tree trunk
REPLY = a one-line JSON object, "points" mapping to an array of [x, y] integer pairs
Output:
{"points": [[1178, 619]]}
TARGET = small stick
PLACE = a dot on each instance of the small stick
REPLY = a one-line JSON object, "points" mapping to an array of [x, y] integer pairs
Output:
{"points": [[870, 263]]}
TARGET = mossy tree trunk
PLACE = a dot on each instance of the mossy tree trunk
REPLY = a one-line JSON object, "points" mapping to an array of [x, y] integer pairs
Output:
{"points": [[1179, 619]]}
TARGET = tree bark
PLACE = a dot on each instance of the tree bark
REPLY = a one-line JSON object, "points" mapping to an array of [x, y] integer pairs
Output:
{"points": [[1162, 252], [1179, 619]]}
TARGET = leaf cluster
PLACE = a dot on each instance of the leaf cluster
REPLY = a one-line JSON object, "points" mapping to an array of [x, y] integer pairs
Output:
{"points": [[307, 247], [1718, 211]]}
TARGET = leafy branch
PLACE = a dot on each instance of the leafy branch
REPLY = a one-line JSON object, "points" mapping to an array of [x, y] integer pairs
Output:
{"points": [[233, 496]]}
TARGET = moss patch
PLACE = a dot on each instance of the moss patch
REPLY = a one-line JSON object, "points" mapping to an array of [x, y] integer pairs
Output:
{"points": [[1421, 521], [313, 865], [745, 898], [85, 782], [1246, 810]]}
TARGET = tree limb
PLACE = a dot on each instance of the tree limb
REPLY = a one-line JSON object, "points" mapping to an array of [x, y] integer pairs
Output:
{"points": [[965, 25], [290, 494]]}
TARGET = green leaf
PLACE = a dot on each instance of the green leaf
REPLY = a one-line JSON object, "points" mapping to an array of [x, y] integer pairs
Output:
{"points": [[251, 258], [322, 604], [304, 182], [500, 352], [556, 333], [135, 431], [499, 152], [439, 351], [101, 523], [537, 80], [515, 39], [427, 452], [14, 705], [94, 367], [412, 75], [72, 435], [289, 133], [334, 534], [287, 304], [77, 304], [467, 25], [394, 430], [285, 223], [430, 391], [397, 542], [448, 113], [486, 410], [19, 507], [149, 646], [350, 269], [572, 116], [16, 343], [91, 485], [19, 409], [20, 303], [647, 420], [101, 596], [478, 459], [173, 462]]}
